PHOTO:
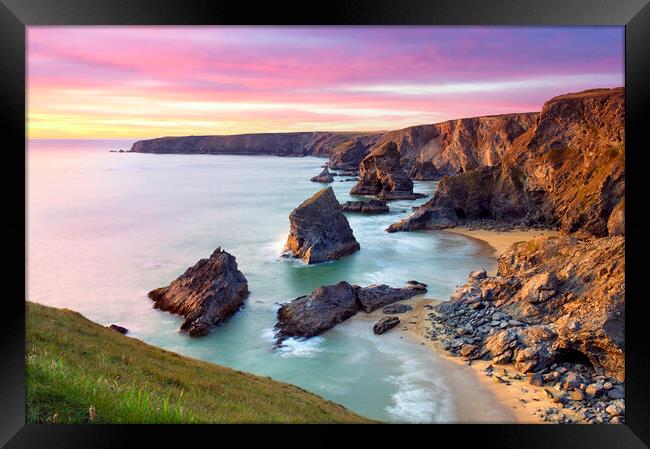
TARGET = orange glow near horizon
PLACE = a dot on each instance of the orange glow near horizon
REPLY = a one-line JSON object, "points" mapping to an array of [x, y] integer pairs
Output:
{"points": [[143, 82]]}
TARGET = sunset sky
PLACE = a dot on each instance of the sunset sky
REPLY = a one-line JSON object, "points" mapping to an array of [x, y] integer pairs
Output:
{"points": [[139, 82]]}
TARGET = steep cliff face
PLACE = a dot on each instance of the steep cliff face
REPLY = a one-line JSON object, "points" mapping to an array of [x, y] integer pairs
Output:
{"points": [[280, 144], [431, 151], [566, 171], [466, 144]]}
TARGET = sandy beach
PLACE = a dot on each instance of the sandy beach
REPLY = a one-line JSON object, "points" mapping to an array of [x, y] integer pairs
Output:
{"points": [[479, 398]]}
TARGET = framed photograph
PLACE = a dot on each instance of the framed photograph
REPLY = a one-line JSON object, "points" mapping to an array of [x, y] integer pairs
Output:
{"points": [[361, 213]]}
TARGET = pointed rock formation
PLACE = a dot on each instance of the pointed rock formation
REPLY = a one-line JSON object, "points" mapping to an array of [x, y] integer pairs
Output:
{"points": [[319, 231], [206, 294], [325, 177], [381, 174]]}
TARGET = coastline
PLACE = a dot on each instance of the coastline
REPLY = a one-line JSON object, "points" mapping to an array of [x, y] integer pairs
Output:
{"points": [[499, 241], [472, 388]]}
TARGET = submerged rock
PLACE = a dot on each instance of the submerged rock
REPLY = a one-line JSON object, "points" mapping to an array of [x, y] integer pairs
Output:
{"points": [[381, 174], [370, 207], [206, 294], [325, 177], [325, 307], [385, 324], [319, 231]]}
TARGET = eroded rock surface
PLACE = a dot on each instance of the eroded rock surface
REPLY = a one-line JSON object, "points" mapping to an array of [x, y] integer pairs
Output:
{"points": [[552, 299], [366, 207], [381, 174], [319, 231], [325, 177], [566, 171], [206, 294], [311, 315]]}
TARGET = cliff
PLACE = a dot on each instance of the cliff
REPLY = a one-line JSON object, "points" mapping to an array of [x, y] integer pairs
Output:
{"points": [[567, 171], [279, 144]]}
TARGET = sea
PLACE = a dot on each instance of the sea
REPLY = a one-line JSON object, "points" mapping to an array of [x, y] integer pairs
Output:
{"points": [[104, 228]]}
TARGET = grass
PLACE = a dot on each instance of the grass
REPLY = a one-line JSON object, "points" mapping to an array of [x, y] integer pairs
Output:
{"points": [[81, 372]]}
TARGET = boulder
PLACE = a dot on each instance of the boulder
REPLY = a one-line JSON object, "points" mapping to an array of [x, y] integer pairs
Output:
{"points": [[206, 294], [319, 231], [325, 177], [381, 174], [120, 329], [385, 324], [616, 221], [311, 315]]}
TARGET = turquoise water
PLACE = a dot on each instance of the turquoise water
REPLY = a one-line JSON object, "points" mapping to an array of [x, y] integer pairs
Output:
{"points": [[105, 228]]}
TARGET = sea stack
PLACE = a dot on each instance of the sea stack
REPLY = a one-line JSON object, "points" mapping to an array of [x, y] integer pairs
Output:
{"points": [[206, 294], [381, 174], [325, 177], [319, 231]]}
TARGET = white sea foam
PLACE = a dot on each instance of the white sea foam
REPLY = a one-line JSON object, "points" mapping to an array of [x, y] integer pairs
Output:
{"points": [[419, 397], [292, 347]]}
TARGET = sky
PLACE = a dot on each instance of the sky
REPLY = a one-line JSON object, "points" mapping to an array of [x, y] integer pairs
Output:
{"points": [[142, 82]]}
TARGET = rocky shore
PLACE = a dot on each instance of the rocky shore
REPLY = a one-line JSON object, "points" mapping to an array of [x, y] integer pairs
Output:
{"points": [[555, 312]]}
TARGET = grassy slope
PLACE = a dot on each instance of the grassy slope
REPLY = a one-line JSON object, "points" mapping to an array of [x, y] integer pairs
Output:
{"points": [[79, 371]]}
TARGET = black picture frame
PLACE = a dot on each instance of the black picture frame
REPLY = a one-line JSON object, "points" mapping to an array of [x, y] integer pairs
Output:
{"points": [[15, 15]]}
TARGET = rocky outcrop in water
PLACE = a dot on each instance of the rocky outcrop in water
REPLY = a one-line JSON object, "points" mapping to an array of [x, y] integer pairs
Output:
{"points": [[325, 177], [319, 231], [381, 174], [366, 207], [206, 294], [325, 307], [566, 171]]}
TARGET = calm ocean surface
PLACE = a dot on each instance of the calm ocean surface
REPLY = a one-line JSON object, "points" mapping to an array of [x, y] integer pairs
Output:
{"points": [[105, 228]]}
